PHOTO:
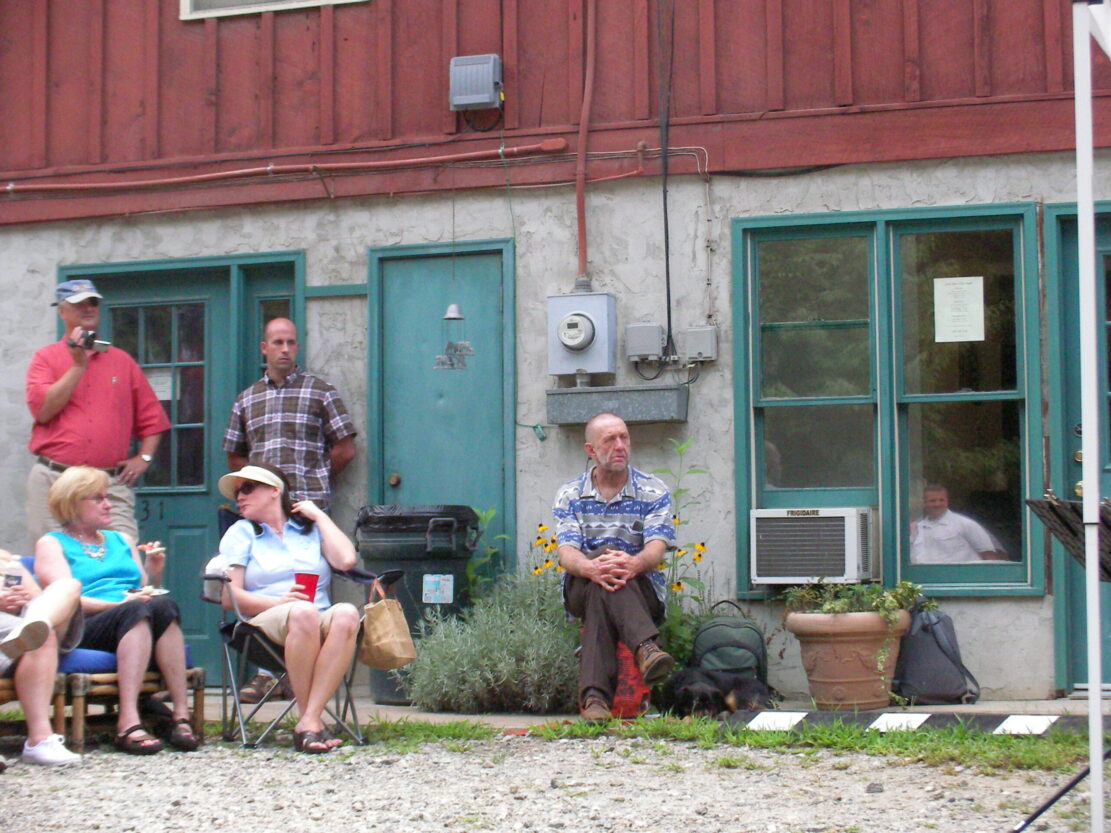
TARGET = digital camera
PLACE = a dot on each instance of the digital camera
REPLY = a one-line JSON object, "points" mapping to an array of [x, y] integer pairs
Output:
{"points": [[89, 341]]}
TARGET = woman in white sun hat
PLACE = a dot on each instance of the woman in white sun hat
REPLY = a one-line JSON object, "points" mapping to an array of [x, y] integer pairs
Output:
{"points": [[275, 540]]}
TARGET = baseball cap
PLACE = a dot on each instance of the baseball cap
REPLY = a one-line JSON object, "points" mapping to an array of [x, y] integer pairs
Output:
{"points": [[74, 292]]}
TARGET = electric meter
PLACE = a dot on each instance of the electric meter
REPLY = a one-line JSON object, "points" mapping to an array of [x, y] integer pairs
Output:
{"points": [[576, 331]]}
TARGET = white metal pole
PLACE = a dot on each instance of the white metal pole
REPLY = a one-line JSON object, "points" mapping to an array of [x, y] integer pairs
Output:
{"points": [[1089, 395]]}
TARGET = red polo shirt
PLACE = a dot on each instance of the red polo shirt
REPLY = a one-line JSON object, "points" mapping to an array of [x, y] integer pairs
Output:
{"points": [[112, 403]]}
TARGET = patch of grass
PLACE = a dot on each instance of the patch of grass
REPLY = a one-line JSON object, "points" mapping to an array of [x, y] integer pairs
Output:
{"points": [[416, 732], [962, 744]]}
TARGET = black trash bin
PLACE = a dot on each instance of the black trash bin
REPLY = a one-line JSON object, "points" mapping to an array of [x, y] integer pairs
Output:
{"points": [[432, 544]]}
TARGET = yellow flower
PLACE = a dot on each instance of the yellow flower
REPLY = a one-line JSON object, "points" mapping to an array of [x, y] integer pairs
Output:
{"points": [[677, 586], [549, 546], [675, 519], [559, 568], [680, 553], [662, 567], [547, 563], [554, 541], [540, 541], [541, 528], [537, 571], [696, 557], [700, 547]]}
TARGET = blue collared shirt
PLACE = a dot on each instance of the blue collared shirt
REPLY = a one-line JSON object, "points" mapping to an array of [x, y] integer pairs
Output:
{"points": [[271, 561], [639, 513]]}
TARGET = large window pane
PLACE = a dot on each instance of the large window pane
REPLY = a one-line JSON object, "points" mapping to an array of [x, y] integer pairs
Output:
{"points": [[970, 363], [814, 318], [822, 362], [158, 335], [972, 450], [125, 330], [819, 446]]}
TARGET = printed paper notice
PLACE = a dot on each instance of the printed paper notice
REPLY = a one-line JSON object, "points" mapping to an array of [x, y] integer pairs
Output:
{"points": [[162, 380], [438, 589], [959, 309]]}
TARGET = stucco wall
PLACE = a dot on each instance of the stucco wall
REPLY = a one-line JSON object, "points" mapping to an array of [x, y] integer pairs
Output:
{"points": [[625, 258]]}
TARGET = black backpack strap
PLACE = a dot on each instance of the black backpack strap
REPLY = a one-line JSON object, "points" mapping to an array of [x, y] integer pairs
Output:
{"points": [[950, 650], [732, 602]]}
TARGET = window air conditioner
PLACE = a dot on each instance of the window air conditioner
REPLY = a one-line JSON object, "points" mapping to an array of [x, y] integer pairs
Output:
{"points": [[797, 546]]}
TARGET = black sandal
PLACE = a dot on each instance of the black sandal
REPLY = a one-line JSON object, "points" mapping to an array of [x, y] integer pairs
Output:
{"points": [[311, 743], [182, 737], [126, 742]]}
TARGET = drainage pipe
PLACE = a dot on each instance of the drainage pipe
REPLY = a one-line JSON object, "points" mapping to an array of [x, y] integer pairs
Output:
{"points": [[582, 283]]}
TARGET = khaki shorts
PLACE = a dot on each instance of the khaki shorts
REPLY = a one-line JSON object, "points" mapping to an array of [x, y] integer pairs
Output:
{"points": [[274, 622]]}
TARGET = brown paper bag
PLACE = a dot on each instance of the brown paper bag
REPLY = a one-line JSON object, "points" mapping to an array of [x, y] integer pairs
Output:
{"points": [[386, 642]]}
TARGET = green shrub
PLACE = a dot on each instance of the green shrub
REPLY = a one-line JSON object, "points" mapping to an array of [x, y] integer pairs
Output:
{"points": [[511, 651]]}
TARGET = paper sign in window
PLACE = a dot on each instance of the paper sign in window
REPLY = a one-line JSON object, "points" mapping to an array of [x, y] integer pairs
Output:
{"points": [[162, 381], [959, 309]]}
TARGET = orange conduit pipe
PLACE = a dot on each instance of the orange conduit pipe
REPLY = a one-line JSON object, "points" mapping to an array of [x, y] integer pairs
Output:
{"points": [[583, 283], [547, 146]]}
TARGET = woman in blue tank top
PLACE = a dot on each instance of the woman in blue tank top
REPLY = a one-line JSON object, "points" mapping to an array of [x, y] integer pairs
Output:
{"points": [[124, 614]]}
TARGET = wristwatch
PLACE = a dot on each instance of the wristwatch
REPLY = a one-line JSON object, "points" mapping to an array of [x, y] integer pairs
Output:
{"points": [[146, 458]]}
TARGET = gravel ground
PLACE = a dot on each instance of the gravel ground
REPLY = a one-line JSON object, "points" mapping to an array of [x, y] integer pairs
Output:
{"points": [[519, 783]]}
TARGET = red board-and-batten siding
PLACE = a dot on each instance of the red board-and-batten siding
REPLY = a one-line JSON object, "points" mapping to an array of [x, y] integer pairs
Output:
{"points": [[97, 89]]}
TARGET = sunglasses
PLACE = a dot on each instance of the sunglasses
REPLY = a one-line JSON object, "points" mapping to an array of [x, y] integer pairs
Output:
{"points": [[246, 487]]}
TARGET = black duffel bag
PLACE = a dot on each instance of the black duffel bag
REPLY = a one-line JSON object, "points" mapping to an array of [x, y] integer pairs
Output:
{"points": [[930, 671]]}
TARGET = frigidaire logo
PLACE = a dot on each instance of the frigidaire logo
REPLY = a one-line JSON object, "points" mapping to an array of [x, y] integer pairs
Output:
{"points": [[796, 513]]}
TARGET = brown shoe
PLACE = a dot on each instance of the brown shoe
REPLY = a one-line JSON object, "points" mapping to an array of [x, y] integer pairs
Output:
{"points": [[256, 688], [654, 663], [595, 709]]}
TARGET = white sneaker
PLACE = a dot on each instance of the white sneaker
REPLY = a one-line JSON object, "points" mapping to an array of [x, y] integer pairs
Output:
{"points": [[51, 751], [26, 636]]}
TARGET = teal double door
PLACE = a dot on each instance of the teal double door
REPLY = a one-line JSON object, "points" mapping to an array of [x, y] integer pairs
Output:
{"points": [[194, 330], [1071, 596]]}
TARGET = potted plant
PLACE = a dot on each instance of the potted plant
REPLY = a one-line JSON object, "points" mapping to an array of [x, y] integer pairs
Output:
{"points": [[849, 635]]}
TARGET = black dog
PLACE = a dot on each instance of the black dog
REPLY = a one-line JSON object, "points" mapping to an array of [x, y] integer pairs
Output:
{"points": [[696, 691]]}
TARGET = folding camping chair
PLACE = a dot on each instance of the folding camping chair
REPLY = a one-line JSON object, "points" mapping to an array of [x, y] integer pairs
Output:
{"points": [[240, 637]]}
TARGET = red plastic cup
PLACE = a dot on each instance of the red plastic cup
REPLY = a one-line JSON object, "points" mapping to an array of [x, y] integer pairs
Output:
{"points": [[308, 583]]}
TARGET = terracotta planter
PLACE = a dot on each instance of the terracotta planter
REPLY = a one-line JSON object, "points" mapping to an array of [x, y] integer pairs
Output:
{"points": [[839, 653]]}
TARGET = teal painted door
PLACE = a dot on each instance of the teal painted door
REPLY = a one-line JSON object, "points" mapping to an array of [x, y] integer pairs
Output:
{"points": [[1076, 636], [443, 436], [178, 331]]}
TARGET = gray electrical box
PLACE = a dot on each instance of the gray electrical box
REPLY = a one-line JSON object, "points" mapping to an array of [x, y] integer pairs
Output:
{"points": [[475, 82], [582, 333], [702, 344], [644, 342]]}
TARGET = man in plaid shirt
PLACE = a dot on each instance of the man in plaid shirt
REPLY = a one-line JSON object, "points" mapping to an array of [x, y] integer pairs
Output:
{"points": [[297, 422], [292, 420]]}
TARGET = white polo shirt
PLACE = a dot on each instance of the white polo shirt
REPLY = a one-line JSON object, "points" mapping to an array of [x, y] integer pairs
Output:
{"points": [[950, 539]]}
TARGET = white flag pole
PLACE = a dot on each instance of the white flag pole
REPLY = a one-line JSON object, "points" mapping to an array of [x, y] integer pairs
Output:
{"points": [[1083, 23]]}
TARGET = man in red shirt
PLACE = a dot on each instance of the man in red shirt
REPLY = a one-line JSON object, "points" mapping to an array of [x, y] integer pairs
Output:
{"points": [[88, 404]]}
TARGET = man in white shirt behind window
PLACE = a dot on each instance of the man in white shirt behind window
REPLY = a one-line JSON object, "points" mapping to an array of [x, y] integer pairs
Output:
{"points": [[942, 536]]}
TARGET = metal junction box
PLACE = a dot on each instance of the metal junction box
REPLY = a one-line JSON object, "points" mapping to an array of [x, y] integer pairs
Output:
{"points": [[475, 82], [582, 333]]}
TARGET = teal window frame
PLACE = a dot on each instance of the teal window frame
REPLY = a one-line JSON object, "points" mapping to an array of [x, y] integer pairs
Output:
{"points": [[883, 228]]}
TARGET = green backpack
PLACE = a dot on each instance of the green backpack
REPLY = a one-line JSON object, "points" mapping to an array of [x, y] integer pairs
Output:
{"points": [[732, 643]]}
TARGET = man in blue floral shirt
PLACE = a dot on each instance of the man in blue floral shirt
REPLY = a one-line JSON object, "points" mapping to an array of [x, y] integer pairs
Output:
{"points": [[613, 527]]}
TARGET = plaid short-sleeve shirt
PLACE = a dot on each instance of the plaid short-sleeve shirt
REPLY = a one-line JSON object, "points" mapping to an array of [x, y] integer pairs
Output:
{"points": [[292, 426], [639, 513]]}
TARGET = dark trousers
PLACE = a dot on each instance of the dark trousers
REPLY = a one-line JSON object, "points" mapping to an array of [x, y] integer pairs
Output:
{"points": [[104, 630], [627, 615]]}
